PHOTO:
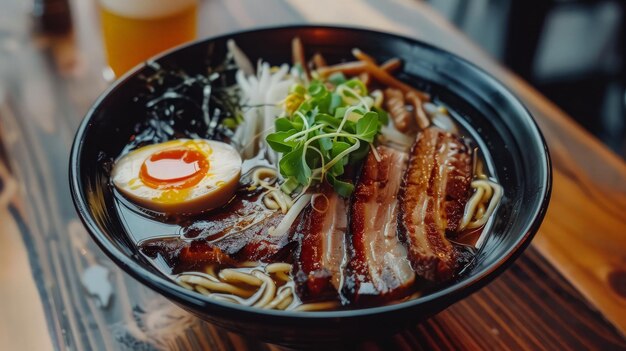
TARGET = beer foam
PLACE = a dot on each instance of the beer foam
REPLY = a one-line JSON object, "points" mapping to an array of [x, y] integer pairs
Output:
{"points": [[146, 9]]}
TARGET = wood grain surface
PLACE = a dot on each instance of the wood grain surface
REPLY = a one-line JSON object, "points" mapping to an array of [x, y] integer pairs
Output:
{"points": [[566, 292]]}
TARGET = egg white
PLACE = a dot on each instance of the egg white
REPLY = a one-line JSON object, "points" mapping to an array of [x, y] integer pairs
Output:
{"points": [[214, 190]]}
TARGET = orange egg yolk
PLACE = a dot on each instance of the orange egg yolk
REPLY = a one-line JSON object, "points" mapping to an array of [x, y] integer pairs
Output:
{"points": [[174, 169]]}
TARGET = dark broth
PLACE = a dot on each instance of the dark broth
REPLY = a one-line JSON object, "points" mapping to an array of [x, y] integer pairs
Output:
{"points": [[161, 237]]}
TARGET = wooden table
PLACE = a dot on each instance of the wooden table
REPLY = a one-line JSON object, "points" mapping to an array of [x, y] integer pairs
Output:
{"points": [[568, 291]]}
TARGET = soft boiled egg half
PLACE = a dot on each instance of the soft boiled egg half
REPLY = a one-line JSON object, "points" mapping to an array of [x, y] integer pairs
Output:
{"points": [[179, 176]]}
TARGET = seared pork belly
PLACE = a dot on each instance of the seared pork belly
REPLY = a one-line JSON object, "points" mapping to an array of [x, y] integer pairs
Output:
{"points": [[377, 267], [239, 233], [434, 192], [183, 255], [320, 250], [241, 230], [253, 241], [256, 243]]}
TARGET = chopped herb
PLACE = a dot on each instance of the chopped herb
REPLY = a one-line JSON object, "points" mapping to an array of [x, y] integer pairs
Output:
{"points": [[329, 126]]}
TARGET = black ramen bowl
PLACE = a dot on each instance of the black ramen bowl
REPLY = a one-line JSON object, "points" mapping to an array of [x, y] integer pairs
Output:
{"points": [[498, 121]]}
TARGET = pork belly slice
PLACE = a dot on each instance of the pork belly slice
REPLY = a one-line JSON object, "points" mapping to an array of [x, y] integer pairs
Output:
{"points": [[244, 210], [241, 229], [434, 192], [377, 269], [254, 242], [251, 243], [320, 246], [179, 255]]}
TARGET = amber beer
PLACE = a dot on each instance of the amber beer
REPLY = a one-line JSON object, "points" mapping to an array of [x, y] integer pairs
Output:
{"points": [[135, 30]]}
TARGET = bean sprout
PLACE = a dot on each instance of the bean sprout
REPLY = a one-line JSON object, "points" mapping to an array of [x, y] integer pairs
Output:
{"points": [[262, 92]]}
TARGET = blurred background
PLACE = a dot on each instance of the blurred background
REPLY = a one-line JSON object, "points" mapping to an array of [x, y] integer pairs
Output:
{"points": [[570, 50], [573, 51]]}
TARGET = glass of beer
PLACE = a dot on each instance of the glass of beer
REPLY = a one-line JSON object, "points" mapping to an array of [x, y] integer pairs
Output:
{"points": [[135, 30]]}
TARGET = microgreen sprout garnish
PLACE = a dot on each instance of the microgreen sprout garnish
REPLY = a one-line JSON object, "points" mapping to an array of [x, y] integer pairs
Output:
{"points": [[328, 125]]}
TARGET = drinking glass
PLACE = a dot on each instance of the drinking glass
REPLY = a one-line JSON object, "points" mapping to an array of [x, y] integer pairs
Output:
{"points": [[135, 30]]}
